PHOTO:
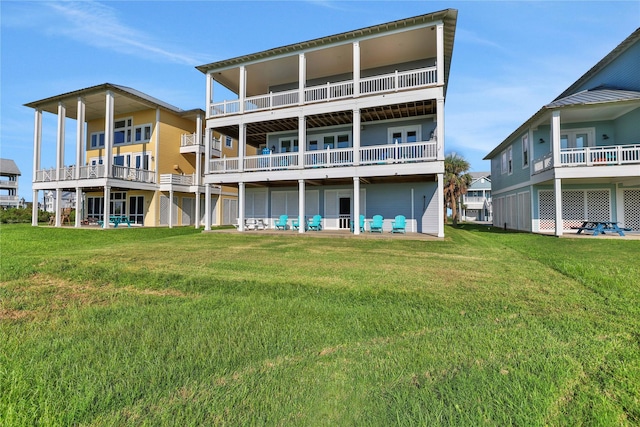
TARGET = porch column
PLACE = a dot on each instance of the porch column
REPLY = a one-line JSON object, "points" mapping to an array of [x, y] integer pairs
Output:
{"points": [[198, 154], [242, 147], [241, 206], [555, 137], [356, 137], [80, 138], [302, 79], [156, 156], [557, 192], [108, 138], [171, 206], [197, 208], [440, 129], [301, 205], [37, 148], [106, 211], [208, 134], [62, 110], [356, 205], [207, 207], [302, 139], [57, 206], [209, 94], [78, 205], [440, 197], [440, 53], [356, 70], [243, 87], [34, 209]]}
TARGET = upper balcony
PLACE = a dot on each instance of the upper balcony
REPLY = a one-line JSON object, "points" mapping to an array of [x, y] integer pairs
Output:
{"points": [[190, 143], [330, 91], [589, 156], [89, 172]]}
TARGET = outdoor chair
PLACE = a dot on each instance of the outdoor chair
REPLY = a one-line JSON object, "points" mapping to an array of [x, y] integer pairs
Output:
{"points": [[399, 224], [281, 224], [362, 226], [375, 226], [295, 224], [316, 223]]}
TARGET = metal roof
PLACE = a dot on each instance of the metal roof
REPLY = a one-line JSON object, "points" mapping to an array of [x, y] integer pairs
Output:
{"points": [[595, 97], [8, 167]]}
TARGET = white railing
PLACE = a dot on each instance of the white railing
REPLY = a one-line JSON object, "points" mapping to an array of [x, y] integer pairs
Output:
{"points": [[611, 155], [170, 178], [190, 139], [475, 199], [543, 163], [95, 171], [91, 171], [9, 199], [133, 174], [46, 175], [398, 80], [8, 184], [216, 144], [378, 154], [271, 162]]}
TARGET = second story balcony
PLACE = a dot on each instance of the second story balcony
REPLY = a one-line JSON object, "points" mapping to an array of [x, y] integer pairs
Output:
{"points": [[590, 156], [89, 172], [424, 151], [391, 82]]}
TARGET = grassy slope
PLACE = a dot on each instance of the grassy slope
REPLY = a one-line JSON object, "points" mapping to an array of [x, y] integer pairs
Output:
{"points": [[175, 327]]}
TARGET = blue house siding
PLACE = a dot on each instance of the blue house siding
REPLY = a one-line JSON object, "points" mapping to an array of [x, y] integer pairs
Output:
{"points": [[627, 128], [620, 74]]}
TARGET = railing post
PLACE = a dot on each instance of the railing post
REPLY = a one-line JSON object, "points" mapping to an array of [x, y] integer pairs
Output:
{"points": [[619, 154], [395, 80], [328, 91]]}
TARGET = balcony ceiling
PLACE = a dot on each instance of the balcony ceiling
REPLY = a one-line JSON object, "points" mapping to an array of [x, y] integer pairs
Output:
{"points": [[257, 132], [384, 45]]}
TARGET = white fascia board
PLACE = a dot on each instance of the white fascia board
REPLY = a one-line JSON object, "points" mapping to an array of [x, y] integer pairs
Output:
{"points": [[613, 171]]}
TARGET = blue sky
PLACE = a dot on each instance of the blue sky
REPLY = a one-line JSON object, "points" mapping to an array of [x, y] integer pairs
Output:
{"points": [[509, 58]]}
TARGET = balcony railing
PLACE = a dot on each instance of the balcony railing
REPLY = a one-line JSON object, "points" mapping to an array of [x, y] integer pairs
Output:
{"points": [[590, 156], [176, 179], [9, 199], [68, 173], [369, 155], [5, 183], [331, 91], [189, 140]]}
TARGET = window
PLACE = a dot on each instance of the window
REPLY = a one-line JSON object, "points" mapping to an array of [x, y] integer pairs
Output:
{"points": [[142, 133], [510, 159], [122, 131], [289, 145], [525, 151], [228, 142], [404, 134], [330, 141], [97, 140], [142, 161], [577, 138], [503, 168]]}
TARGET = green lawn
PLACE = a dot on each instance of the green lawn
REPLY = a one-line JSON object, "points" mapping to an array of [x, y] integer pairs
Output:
{"points": [[177, 327]]}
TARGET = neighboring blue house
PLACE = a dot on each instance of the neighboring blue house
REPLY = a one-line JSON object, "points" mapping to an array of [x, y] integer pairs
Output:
{"points": [[476, 202], [341, 126], [578, 157]]}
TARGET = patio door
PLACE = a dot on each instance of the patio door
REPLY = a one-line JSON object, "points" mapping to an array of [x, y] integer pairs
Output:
{"points": [[136, 209], [344, 212], [578, 138]]}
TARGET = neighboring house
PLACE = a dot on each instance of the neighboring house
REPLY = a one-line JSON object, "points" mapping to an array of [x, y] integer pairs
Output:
{"points": [[9, 174], [135, 156], [578, 157], [341, 126], [476, 201], [68, 200]]}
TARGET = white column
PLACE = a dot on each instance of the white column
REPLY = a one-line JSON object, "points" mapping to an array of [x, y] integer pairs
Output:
{"points": [[108, 137], [171, 208], [241, 206], [302, 77], [557, 192], [34, 209], [209, 100], [37, 141], [356, 137], [242, 146], [62, 112], [440, 128], [243, 87], [80, 137], [356, 205], [301, 205], [356, 70], [440, 197], [197, 209], [198, 156], [302, 139], [208, 134], [56, 209], [78, 207], [105, 210], [555, 137], [157, 146], [207, 207], [440, 53]]}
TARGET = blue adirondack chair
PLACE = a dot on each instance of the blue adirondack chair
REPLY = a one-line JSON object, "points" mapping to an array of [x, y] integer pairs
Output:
{"points": [[375, 226], [295, 224], [361, 224], [281, 224], [315, 223], [399, 224]]}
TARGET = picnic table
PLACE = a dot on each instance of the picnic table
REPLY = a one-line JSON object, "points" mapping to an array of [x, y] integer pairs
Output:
{"points": [[600, 227], [117, 220]]}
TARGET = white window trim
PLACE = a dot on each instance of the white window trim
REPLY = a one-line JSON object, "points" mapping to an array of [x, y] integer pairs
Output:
{"points": [[591, 135], [98, 144], [142, 127], [321, 136], [525, 144], [503, 162], [403, 130], [510, 160]]}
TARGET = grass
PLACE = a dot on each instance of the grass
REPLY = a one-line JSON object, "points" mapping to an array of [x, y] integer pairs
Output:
{"points": [[176, 327]]}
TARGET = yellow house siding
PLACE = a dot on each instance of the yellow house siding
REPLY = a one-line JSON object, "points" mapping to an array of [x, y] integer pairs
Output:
{"points": [[172, 128]]}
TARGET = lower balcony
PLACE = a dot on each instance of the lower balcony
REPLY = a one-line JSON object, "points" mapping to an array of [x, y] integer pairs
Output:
{"points": [[70, 173], [370, 155], [590, 156]]}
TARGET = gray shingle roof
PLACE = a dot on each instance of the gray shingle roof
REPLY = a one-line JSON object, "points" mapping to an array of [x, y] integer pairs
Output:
{"points": [[9, 167], [595, 97]]}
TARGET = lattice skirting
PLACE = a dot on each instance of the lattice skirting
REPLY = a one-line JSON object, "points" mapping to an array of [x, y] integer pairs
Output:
{"points": [[577, 205], [631, 209]]}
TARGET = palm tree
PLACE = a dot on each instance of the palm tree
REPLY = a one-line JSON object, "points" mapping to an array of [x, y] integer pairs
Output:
{"points": [[456, 181]]}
